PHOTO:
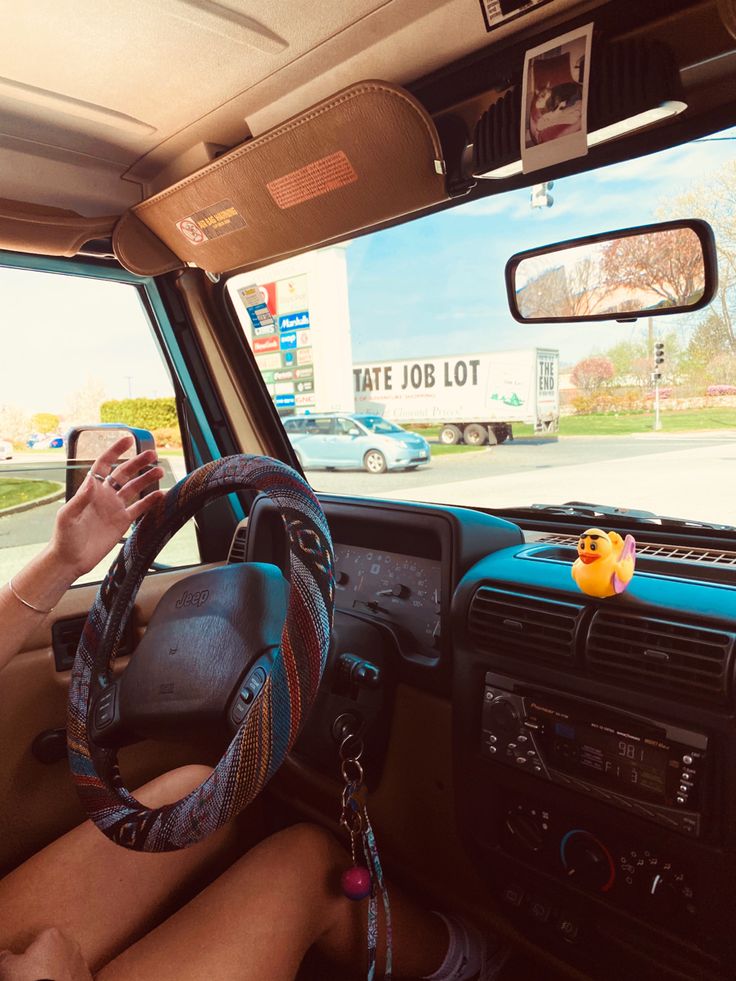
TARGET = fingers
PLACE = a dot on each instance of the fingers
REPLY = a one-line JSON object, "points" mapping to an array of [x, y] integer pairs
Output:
{"points": [[105, 461], [131, 490], [138, 509], [129, 469]]}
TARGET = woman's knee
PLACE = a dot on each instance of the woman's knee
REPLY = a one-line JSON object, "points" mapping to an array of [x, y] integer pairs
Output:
{"points": [[171, 786]]}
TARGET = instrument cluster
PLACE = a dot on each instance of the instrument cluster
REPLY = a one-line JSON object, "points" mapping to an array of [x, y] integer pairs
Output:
{"points": [[403, 591]]}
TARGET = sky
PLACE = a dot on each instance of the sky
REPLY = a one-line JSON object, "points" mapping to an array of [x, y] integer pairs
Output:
{"points": [[444, 274], [429, 287], [70, 334]]}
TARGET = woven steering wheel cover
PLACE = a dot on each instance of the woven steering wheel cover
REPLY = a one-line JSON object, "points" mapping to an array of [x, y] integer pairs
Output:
{"points": [[272, 724]]}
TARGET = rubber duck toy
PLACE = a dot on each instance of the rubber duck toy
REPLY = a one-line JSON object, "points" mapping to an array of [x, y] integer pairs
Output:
{"points": [[605, 562]]}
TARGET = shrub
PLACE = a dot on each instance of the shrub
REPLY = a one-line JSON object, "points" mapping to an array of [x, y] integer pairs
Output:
{"points": [[721, 390], [168, 438], [45, 422], [142, 413]]}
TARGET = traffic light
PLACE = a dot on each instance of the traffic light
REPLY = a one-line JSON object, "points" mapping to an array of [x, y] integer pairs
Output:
{"points": [[540, 196], [658, 360]]}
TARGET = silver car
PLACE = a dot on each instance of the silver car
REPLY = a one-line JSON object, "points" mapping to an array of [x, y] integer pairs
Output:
{"points": [[350, 441]]}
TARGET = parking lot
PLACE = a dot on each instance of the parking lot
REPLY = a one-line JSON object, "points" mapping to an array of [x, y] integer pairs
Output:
{"points": [[687, 475]]}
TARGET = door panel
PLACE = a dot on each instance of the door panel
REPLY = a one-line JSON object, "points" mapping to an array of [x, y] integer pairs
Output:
{"points": [[39, 801]]}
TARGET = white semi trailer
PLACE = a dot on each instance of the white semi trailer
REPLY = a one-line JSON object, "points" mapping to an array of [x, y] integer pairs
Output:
{"points": [[475, 398]]}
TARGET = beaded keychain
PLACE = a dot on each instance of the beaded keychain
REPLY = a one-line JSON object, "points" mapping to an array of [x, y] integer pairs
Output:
{"points": [[363, 881]]}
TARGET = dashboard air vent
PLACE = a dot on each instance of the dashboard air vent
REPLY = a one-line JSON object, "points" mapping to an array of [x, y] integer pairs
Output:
{"points": [[237, 546], [671, 656], [682, 553], [524, 626]]}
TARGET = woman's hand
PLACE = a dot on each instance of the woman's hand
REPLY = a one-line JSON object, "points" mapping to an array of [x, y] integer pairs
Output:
{"points": [[96, 518], [52, 955]]}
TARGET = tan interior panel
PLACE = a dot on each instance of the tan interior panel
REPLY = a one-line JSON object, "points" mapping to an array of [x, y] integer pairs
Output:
{"points": [[39, 800], [369, 154], [35, 228]]}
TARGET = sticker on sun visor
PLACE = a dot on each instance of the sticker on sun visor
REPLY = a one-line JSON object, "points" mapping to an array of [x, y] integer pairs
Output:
{"points": [[498, 12], [219, 219], [317, 178]]}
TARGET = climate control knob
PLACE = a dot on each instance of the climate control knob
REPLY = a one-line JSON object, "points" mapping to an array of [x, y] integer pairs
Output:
{"points": [[503, 715], [586, 861]]}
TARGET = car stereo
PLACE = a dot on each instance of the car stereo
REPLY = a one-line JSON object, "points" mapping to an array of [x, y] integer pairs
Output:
{"points": [[649, 768]]}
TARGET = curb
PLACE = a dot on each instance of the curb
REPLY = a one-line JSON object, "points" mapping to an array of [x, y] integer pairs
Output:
{"points": [[36, 502]]}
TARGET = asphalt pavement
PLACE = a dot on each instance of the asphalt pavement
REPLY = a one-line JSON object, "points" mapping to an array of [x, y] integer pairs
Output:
{"points": [[686, 475]]}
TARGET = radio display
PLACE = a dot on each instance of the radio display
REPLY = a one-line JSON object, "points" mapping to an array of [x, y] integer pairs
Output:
{"points": [[634, 765]]}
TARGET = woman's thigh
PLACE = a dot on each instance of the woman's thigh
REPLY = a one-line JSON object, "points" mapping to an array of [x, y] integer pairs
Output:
{"points": [[255, 922], [99, 893]]}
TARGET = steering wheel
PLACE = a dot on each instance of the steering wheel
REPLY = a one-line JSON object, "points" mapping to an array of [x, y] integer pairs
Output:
{"points": [[213, 654]]}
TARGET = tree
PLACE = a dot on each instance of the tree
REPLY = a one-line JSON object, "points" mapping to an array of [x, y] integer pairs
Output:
{"points": [[574, 290], [84, 404], [709, 358], [45, 422], [13, 423], [631, 364], [661, 269], [592, 373], [714, 199]]}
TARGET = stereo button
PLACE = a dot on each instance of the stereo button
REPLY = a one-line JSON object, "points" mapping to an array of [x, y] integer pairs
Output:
{"points": [[521, 759], [687, 760]]}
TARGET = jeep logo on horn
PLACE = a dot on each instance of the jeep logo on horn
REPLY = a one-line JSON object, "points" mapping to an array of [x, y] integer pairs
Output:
{"points": [[199, 598]]}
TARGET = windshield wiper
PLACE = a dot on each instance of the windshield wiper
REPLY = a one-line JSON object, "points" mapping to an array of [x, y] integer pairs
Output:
{"points": [[582, 509]]}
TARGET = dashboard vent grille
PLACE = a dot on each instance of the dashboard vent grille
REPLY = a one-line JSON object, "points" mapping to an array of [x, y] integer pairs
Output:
{"points": [[237, 546], [683, 553], [677, 657], [523, 625]]}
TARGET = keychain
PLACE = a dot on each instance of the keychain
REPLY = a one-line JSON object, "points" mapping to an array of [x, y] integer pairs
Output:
{"points": [[363, 881]]}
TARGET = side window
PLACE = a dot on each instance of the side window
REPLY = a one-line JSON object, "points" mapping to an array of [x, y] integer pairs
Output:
{"points": [[76, 351], [346, 427], [319, 426]]}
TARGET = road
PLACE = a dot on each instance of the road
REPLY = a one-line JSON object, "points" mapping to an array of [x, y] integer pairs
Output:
{"points": [[687, 475]]}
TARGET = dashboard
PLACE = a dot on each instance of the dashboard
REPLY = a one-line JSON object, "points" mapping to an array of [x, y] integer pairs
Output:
{"points": [[594, 750]]}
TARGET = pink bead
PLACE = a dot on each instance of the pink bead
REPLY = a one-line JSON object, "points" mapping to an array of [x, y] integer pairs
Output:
{"points": [[356, 883]]}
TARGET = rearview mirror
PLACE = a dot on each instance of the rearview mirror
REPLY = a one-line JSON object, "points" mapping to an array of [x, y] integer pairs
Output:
{"points": [[85, 443], [652, 270]]}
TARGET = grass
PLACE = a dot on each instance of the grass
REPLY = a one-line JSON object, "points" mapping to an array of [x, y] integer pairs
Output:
{"points": [[686, 420], [14, 491]]}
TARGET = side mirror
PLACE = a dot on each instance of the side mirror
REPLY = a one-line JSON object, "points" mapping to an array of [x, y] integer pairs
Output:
{"points": [[649, 271], [353, 432], [85, 443]]}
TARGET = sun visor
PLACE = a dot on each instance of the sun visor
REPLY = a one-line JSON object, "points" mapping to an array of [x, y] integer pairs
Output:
{"points": [[41, 230], [368, 154]]}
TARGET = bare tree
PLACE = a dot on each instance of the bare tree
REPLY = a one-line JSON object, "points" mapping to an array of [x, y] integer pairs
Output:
{"points": [[665, 267]]}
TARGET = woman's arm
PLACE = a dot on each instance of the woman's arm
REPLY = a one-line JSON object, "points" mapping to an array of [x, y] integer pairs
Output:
{"points": [[87, 527]]}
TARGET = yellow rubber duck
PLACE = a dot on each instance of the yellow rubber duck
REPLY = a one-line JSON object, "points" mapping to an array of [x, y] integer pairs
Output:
{"points": [[605, 562]]}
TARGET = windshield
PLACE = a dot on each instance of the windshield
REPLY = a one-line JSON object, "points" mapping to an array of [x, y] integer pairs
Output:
{"points": [[377, 424], [412, 326]]}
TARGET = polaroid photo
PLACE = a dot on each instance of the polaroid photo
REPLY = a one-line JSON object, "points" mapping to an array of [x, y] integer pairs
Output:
{"points": [[554, 100]]}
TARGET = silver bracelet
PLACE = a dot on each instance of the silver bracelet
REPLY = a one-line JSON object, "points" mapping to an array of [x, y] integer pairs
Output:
{"points": [[30, 606]]}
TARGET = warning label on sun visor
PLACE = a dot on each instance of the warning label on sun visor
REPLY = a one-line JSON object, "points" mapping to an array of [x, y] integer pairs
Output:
{"points": [[219, 219], [498, 12], [319, 177]]}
